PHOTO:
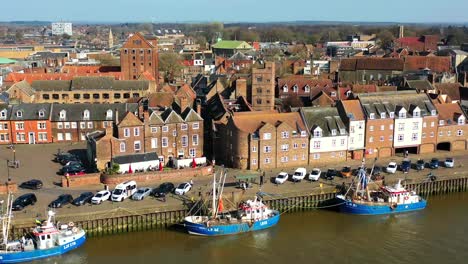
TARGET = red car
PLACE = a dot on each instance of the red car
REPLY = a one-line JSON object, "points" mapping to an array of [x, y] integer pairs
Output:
{"points": [[74, 172]]}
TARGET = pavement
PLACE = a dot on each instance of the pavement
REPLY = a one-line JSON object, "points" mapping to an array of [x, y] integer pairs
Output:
{"points": [[36, 162]]}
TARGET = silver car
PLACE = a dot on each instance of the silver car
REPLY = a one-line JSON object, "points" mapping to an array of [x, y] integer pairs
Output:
{"points": [[141, 193]]}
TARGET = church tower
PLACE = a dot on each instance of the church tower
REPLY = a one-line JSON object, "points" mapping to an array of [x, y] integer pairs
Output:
{"points": [[111, 39]]}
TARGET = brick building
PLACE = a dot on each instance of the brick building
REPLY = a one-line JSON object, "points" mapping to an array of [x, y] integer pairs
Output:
{"points": [[263, 86], [368, 70], [30, 124], [139, 54], [5, 132], [452, 127], [418, 44], [263, 140], [353, 117]]}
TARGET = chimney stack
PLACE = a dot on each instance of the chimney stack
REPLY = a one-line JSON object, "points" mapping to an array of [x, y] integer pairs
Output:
{"points": [[116, 116], [199, 107], [402, 31]]}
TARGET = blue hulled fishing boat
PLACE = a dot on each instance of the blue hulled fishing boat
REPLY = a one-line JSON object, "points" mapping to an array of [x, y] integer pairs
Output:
{"points": [[361, 200], [46, 240], [251, 215]]}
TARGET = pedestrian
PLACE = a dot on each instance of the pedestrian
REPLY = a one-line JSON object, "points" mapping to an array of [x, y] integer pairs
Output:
{"points": [[261, 179]]}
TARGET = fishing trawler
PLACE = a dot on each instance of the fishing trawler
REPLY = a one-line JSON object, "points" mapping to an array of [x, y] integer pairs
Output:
{"points": [[46, 240], [359, 199], [251, 215]]}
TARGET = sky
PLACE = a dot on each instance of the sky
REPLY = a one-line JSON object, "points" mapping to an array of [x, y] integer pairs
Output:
{"points": [[121, 11]]}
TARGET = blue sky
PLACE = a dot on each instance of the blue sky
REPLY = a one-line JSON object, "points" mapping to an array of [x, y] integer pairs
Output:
{"points": [[451, 11]]}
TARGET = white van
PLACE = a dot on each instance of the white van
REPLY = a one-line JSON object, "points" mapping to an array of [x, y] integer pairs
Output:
{"points": [[299, 174], [123, 190]]}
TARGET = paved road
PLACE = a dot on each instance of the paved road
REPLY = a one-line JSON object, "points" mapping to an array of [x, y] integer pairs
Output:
{"points": [[36, 163]]}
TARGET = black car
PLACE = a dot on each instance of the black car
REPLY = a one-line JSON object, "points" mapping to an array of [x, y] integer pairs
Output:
{"points": [[69, 158], [434, 164], [83, 198], [24, 200], [63, 155], [163, 189], [420, 164], [331, 174], [73, 170], [406, 166], [62, 200], [32, 184]]}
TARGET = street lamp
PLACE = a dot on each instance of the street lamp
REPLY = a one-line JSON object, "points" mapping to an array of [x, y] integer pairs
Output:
{"points": [[8, 170]]}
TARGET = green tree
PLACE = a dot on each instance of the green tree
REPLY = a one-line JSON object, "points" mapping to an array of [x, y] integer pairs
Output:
{"points": [[171, 65], [386, 38], [18, 35]]}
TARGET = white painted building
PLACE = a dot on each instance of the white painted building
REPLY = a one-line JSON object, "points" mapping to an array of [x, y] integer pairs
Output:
{"points": [[408, 127], [60, 28]]}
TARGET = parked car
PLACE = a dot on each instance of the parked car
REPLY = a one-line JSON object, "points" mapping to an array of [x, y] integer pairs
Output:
{"points": [[434, 164], [163, 189], [73, 171], [420, 164], [101, 196], [392, 167], [331, 174], [281, 178], [69, 158], [376, 171], [406, 165], [74, 163], [449, 162], [183, 188], [24, 200], [84, 198], [62, 200], [346, 172], [61, 156], [31, 184], [141, 193], [299, 174], [315, 174]]}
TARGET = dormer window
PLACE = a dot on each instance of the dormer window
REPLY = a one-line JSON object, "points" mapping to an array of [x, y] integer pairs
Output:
{"points": [[3, 114], [307, 89], [295, 88], [441, 122], [109, 114], [333, 132], [19, 113], [371, 116], [348, 93], [433, 112], [392, 115], [416, 113], [333, 94], [461, 120], [63, 115], [383, 115], [285, 88], [303, 133], [402, 114], [317, 133], [342, 131], [86, 114], [41, 113]]}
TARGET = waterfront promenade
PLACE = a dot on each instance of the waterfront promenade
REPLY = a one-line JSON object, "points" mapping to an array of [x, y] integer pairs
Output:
{"points": [[36, 163]]}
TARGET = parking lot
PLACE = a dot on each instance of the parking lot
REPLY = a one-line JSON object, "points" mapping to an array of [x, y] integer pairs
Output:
{"points": [[36, 162]]}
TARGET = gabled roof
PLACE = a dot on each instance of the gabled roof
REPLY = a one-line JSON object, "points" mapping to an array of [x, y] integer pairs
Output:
{"points": [[130, 120], [97, 112], [371, 63], [161, 99], [30, 111], [232, 44], [449, 112], [7, 108], [170, 116], [353, 109], [24, 86], [189, 115], [188, 91], [420, 85], [434, 63], [250, 122], [138, 36], [155, 119], [450, 89], [327, 118]]}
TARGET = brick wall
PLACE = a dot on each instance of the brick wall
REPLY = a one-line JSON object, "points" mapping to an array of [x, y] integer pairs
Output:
{"points": [[152, 177], [81, 180]]}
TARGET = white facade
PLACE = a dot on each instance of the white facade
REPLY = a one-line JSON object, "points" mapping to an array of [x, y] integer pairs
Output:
{"points": [[407, 130], [320, 144], [60, 28], [144, 165], [356, 138]]}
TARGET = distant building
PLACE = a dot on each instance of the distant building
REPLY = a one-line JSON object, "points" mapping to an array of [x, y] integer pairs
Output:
{"points": [[227, 48], [263, 86], [138, 55], [60, 28]]}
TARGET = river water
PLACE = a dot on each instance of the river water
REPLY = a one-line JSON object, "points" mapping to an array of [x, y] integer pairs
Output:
{"points": [[438, 234]]}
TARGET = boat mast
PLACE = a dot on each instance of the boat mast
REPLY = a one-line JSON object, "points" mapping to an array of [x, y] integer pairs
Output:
{"points": [[214, 195], [6, 219], [224, 174]]}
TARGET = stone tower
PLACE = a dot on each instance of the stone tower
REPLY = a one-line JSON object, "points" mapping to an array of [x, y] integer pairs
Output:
{"points": [[111, 39], [263, 86], [402, 31]]}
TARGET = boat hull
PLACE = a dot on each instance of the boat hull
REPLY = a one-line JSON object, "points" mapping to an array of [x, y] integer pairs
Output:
{"points": [[23, 256], [349, 207], [202, 229]]}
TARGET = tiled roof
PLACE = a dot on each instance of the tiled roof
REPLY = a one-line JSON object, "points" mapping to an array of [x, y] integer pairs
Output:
{"points": [[185, 88], [189, 115], [370, 63], [302, 82], [353, 107], [130, 120], [170, 116], [420, 85], [364, 88], [31, 77], [232, 44], [134, 158], [155, 119], [23, 86], [90, 69], [97, 112], [251, 121], [30, 112], [91, 83], [449, 112], [450, 89], [160, 99], [434, 63], [327, 118]]}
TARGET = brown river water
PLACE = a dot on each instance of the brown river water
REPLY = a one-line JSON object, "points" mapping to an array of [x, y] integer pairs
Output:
{"points": [[438, 234]]}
